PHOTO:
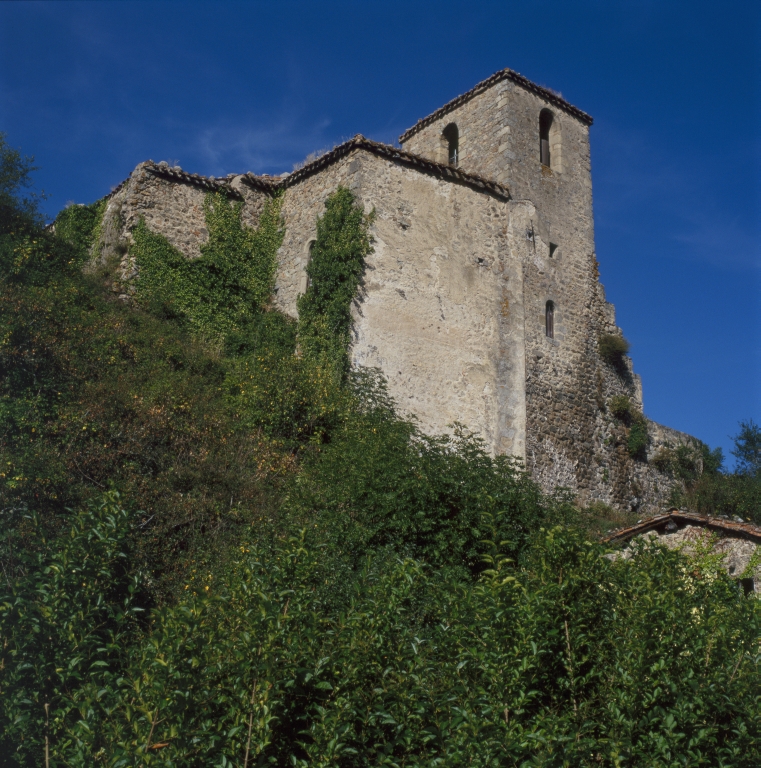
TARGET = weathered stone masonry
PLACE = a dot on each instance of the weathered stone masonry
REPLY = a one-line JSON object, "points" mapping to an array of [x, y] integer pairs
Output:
{"points": [[467, 258]]}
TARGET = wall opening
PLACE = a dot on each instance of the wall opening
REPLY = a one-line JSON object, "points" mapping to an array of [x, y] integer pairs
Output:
{"points": [[549, 320], [545, 125], [553, 250], [305, 281], [451, 143]]}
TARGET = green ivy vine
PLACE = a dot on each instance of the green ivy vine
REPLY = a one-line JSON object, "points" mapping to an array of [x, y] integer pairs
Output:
{"points": [[233, 279], [335, 272]]}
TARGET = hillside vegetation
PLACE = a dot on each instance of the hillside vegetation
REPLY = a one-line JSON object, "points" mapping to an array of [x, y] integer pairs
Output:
{"points": [[222, 546]]}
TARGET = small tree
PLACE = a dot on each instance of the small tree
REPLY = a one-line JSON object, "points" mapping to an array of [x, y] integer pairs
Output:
{"points": [[17, 211], [747, 449]]}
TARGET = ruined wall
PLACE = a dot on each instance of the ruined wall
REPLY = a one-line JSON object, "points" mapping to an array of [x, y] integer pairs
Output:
{"points": [[171, 204], [738, 553], [440, 310]]}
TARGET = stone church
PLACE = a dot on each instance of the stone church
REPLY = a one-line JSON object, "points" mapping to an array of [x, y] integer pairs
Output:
{"points": [[481, 301]]}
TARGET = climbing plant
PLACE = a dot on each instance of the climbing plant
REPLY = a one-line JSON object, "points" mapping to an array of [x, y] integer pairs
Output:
{"points": [[334, 271], [231, 281]]}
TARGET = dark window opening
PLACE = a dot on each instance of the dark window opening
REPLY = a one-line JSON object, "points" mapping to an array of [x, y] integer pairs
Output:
{"points": [[553, 248], [545, 123], [549, 320], [747, 585], [452, 137]]}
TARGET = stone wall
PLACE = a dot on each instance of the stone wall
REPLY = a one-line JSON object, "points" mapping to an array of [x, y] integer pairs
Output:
{"points": [[170, 202], [440, 308]]}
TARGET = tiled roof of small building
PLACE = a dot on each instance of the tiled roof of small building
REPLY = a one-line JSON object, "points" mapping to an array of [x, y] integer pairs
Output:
{"points": [[721, 524], [504, 74]]}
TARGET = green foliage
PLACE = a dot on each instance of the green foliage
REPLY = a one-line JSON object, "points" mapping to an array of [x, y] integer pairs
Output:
{"points": [[18, 213], [621, 407], [747, 449], [613, 348], [570, 659], [380, 482], [66, 621], [705, 487], [637, 440], [78, 225], [335, 270], [233, 279]]}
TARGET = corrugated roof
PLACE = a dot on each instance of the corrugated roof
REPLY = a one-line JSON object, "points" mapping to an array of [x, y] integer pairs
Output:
{"points": [[504, 74], [725, 525]]}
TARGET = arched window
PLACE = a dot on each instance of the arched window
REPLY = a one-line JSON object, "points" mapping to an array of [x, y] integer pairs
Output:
{"points": [[549, 320], [451, 140], [545, 124]]}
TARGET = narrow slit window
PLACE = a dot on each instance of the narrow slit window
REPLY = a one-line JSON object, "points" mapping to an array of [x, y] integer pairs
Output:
{"points": [[549, 320], [545, 123], [553, 250], [307, 280], [451, 137]]}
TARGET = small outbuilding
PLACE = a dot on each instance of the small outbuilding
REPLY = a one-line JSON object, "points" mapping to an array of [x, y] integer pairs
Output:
{"points": [[738, 541]]}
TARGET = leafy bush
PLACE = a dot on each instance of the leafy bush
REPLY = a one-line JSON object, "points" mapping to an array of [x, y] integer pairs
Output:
{"points": [[66, 621], [621, 407], [747, 449], [78, 225], [613, 349], [542, 664]]}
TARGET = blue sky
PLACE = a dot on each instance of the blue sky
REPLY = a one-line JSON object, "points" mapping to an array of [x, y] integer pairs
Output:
{"points": [[91, 89]]}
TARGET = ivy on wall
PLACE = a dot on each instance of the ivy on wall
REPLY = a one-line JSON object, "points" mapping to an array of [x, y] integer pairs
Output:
{"points": [[231, 281], [335, 272]]}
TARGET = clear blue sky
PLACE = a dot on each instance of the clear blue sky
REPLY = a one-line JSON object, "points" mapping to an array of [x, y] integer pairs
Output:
{"points": [[91, 89]]}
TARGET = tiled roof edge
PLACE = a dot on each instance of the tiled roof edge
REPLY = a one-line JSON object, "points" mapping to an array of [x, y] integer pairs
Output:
{"points": [[717, 523], [503, 74], [213, 185], [395, 154]]}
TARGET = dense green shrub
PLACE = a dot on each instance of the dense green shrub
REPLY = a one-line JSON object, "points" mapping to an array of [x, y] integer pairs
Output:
{"points": [[613, 348], [78, 225], [570, 659], [232, 280]]}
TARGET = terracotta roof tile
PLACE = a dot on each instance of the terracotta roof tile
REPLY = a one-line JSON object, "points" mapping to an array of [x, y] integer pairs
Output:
{"points": [[744, 530], [504, 74], [396, 155], [206, 182]]}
